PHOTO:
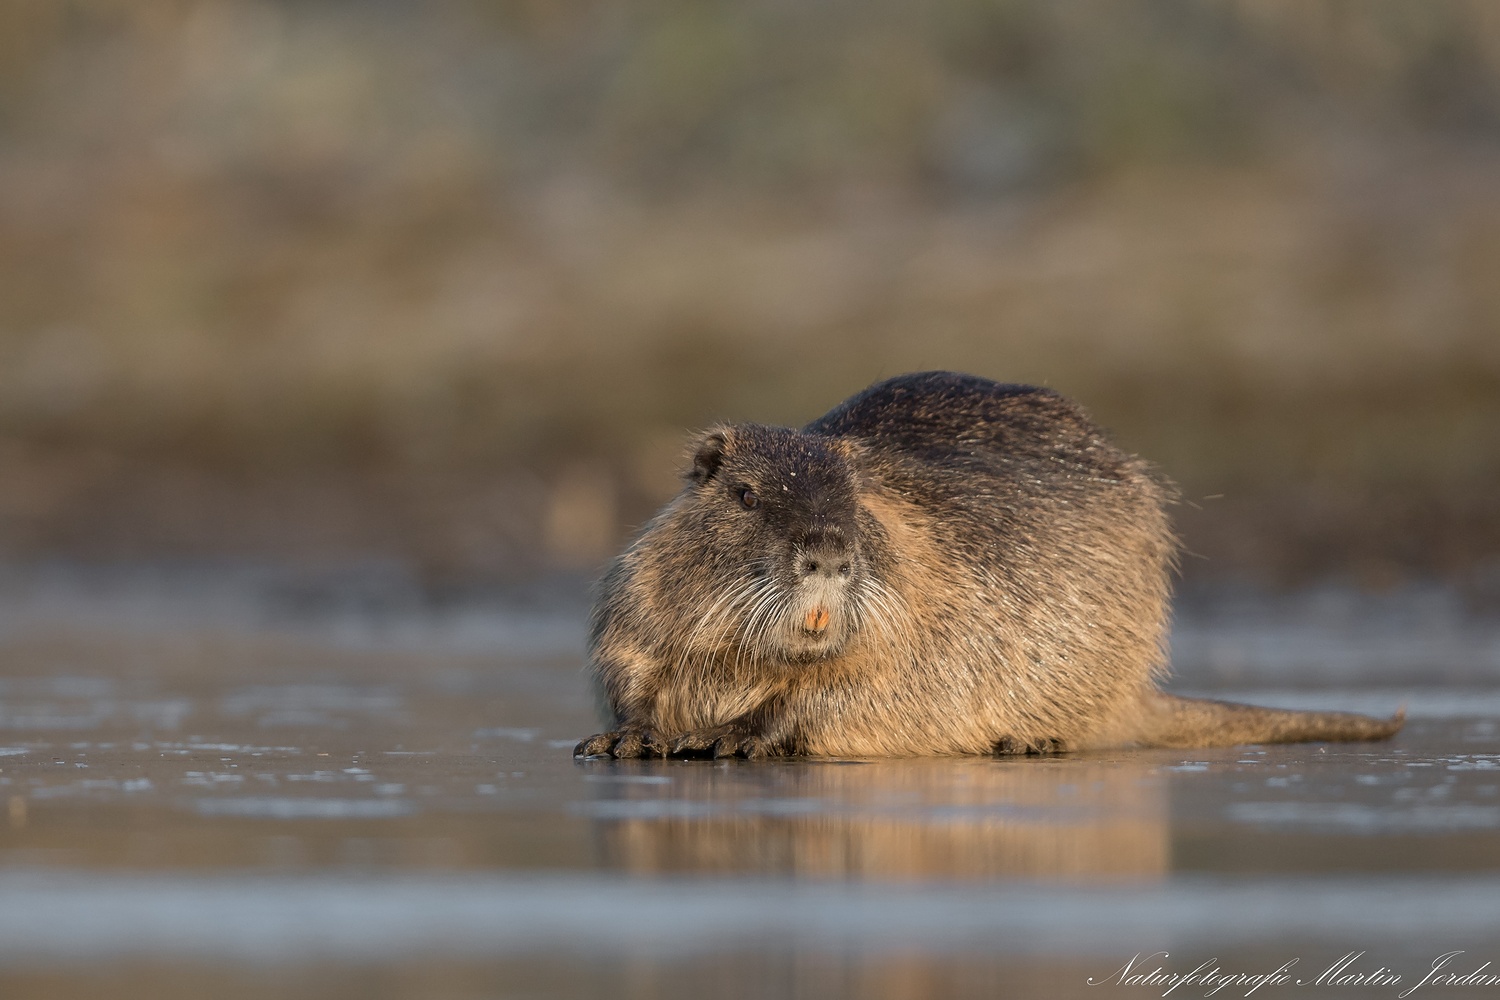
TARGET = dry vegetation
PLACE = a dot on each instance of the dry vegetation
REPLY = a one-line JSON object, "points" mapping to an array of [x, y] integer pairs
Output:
{"points": [[446, 282]]}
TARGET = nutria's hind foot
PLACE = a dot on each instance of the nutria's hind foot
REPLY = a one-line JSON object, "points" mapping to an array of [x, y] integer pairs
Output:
{"points": [[730, 740], [1009, 746], [623, 743]]}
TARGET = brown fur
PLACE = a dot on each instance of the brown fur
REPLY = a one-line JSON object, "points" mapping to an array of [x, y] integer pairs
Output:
{"points": [[990, 575]]}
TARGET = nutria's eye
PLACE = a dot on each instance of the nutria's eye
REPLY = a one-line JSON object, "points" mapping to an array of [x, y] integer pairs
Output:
{"points": [[749, 499]]}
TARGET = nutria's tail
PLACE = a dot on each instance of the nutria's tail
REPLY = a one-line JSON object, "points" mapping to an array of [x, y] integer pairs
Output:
{"points": [[1199, 722]]}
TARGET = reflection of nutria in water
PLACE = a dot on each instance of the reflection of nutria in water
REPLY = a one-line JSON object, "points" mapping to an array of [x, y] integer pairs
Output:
{"points": [[940, 565], [920, 819]]}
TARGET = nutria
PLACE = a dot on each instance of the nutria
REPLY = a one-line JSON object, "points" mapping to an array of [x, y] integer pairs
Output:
{"points": [[940, 565]]}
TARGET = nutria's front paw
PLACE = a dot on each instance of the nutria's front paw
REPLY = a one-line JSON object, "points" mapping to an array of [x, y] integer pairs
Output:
{"points": [[723, 741], [630, 742], [1009, 746]]}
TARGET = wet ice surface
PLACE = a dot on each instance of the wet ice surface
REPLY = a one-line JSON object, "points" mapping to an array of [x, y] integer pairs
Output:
{"points": [[236, 787]]}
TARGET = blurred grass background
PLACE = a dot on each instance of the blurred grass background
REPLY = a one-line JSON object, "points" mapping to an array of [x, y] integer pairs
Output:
{"points": [[447, 283]]}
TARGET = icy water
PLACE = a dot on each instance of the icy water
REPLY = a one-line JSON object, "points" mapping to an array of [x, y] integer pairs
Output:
{"points": [[232, 785]]}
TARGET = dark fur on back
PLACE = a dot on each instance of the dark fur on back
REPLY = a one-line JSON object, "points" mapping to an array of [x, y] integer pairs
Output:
{"points": [[941, 564]]}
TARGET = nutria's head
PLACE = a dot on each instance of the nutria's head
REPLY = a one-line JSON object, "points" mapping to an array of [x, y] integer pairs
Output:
{"points": [[770, 556]]}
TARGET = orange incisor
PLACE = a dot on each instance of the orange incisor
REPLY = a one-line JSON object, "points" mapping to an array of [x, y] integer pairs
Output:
{"points": [[817, 619]]}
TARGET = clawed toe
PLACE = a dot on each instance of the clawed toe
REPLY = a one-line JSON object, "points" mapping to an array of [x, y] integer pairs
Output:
{"points": [[1009, 746], [716, 742], [697, 742], [595, 746], [732, 745]]}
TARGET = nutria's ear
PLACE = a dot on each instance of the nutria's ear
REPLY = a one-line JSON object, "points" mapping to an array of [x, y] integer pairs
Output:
{"points": [[708, 454]]}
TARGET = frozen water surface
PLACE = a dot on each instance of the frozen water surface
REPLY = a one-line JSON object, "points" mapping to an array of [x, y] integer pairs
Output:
{"points": [[228, 787]]}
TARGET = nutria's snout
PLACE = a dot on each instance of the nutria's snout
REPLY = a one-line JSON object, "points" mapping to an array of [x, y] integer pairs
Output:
{"points": [[833, 566], [824, 599], [822, 563]]}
